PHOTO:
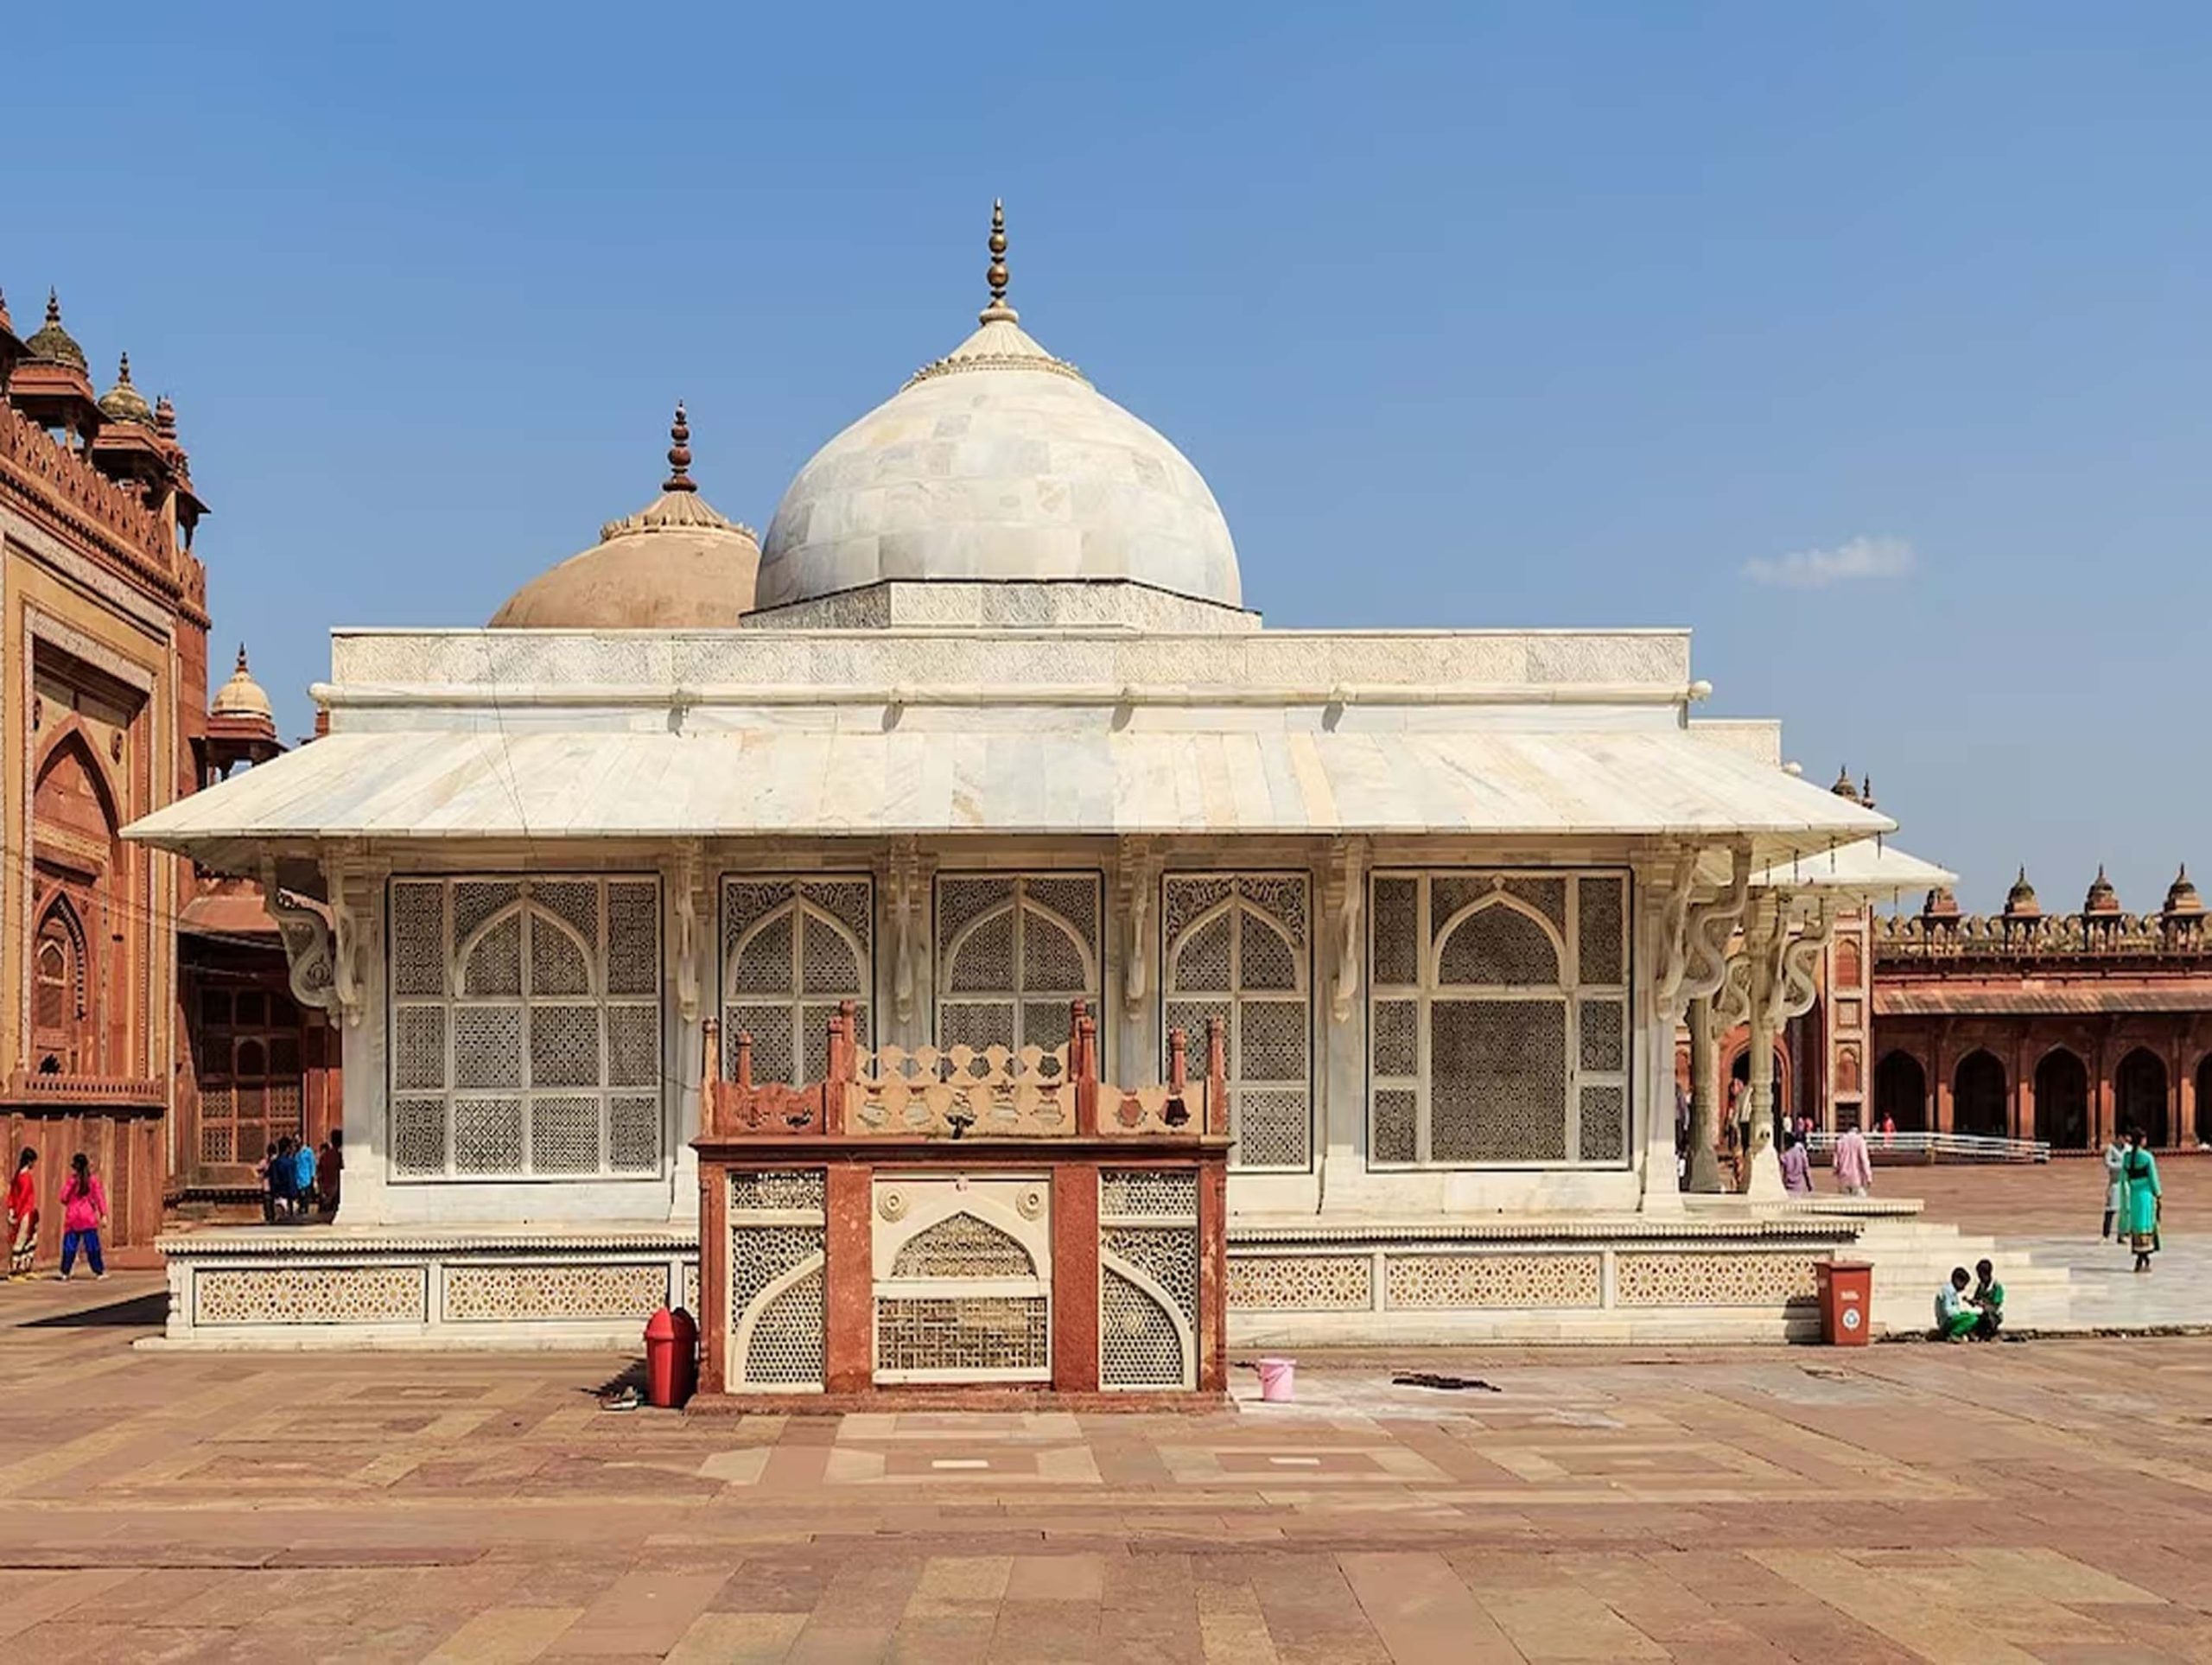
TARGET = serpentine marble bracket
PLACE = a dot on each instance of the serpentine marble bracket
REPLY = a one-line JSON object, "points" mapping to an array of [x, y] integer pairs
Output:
{"points": [[352, 912], [1693, 935], [1345, 884], [1139, 876], [905, 883], [310, 961], [689, 878]]}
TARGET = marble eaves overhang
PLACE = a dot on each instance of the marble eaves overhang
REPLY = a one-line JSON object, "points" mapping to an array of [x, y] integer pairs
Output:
{"points": [[496, 737]]}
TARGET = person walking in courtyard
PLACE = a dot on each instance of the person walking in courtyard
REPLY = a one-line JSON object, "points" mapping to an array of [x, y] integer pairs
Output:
{"points": [[2141, 1197], [22, 1214], [84, 1211], [1797, 1166], [1854, 1168], [2115, 1159]]}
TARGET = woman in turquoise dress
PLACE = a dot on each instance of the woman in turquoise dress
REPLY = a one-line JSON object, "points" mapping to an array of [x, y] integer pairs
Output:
{"points": [[2140, 1198]]}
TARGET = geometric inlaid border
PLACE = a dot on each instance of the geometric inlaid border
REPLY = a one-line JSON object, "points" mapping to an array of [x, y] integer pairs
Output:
{"points": [[1432, 1281], [1301, 1283], [310, 1295], [1712, 1279], [554, 1291]]}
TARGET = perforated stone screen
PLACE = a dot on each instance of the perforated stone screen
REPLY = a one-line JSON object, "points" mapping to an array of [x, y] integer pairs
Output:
{"points": [[793, 950], [778, 1235], [1498, 1018], [1014, 952], [1236, 946], [525, 1027], [1147, 1278]]}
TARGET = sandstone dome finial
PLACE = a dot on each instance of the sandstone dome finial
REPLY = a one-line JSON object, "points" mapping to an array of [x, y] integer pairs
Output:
{"points": [[679, 454]]}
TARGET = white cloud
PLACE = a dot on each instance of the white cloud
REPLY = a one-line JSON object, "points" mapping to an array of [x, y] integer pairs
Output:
{"points": [[1862, 557]]}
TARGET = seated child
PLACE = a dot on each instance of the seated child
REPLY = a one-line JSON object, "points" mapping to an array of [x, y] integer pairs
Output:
{"points": [[1954, 1319], [1987, 1301]]}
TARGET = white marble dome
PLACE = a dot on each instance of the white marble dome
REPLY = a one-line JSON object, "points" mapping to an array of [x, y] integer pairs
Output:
{"points": [[998, 462]]}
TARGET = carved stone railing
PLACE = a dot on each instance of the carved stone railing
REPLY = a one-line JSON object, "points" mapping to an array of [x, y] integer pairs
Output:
{"points": [[28, 1091], [963, 1092], [2072, 937], [75, 489]]}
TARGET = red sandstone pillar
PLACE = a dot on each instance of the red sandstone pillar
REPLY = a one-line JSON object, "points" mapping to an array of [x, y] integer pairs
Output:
{"points": [[1940, 1088], [849, 1280], [2103, 1106], [1075, 1278], [1213, 1293], [713, 1277]]}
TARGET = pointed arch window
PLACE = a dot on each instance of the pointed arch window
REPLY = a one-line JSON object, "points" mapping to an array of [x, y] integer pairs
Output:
{"points": [[1236, 946], [1013, 953], [1497, 1019], [60, 1034], [793, 950], [526, 1028]]}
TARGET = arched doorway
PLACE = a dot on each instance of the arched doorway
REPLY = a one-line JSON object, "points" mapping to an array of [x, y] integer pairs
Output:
{"points": [[1901, 1092], [2140, 1095], [2062, 1100], [1978, 1096], [2204, 1100]]}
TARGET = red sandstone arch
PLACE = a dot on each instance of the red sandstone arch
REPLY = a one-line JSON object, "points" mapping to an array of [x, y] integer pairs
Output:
{"points": [[2062, 1093], [1849, 974], [1978, 1095], [2139, 1095], [61, 1038], [2203, 1128], [1901, 1091]]}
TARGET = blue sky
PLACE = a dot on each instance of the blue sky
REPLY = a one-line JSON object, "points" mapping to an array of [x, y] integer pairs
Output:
{"points": [[1487, 316]]}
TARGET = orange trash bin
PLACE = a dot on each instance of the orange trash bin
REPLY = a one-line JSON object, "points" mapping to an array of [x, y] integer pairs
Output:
{"points": [[1846, 1290]]}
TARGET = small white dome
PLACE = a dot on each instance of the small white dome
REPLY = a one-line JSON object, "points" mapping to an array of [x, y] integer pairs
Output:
{"points": [[998, 462], [241, 696]]}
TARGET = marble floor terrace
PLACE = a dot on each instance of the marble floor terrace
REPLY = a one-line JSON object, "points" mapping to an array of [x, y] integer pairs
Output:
{"points": [[1990, 1504]]}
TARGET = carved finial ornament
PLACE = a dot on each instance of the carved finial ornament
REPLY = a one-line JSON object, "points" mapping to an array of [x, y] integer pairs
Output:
{"points": [[995, 274], [679, 454]]}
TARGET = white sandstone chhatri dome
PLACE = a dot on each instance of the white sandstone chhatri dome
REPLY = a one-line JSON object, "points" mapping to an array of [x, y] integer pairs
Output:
{"points": [[998, 462]]}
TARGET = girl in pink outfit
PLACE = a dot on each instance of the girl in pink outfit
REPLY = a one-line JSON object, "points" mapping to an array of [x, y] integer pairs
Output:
{"points": [[84, 1211]]}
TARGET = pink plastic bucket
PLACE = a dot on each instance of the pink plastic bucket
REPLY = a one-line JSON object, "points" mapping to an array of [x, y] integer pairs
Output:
{"points": [[1275, 1379]]}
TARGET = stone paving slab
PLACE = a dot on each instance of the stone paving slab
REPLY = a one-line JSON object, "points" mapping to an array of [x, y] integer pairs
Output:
{"points": [[2045, 1502]]}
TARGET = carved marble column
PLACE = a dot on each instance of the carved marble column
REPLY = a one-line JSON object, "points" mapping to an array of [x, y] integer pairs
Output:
{"points": [[1339, 928], [1132, 952], [692, 947], [1683, 942], [1781, 983], [355, 887], [1705, 1099]]}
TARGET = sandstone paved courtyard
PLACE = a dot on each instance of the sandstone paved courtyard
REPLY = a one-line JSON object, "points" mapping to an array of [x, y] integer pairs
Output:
{"points": [[2047, 1501]]}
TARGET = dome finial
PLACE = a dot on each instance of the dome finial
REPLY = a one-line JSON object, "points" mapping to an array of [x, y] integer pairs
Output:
{"points": [[679, 454], [54, 306], [996, 275]]}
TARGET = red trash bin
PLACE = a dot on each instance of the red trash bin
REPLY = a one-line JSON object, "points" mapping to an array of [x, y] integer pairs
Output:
{"points": [[1846, 1302], [671, 1358]]}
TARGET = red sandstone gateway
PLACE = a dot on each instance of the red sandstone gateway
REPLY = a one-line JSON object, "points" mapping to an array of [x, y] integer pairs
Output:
{"points": [[961, 1225]]}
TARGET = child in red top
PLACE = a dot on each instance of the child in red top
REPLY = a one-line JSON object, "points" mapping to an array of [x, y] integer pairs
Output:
{"points": [[84, 1211], [23, 1215]]}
